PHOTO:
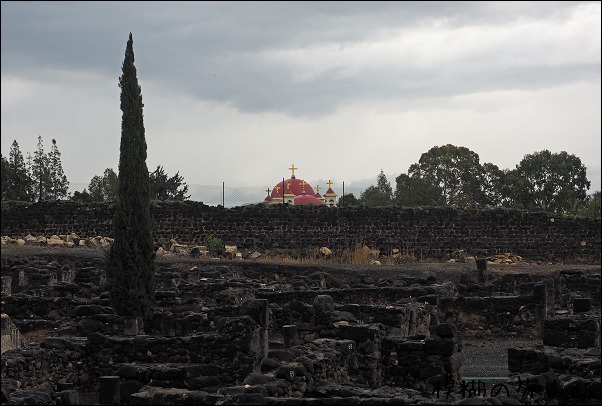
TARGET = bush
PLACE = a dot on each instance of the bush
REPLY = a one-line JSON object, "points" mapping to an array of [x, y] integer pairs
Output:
{"points": [[214, 244]]}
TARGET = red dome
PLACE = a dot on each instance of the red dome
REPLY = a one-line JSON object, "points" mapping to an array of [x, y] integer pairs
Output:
{"points": [[297, 186], [330, 192], [305, 199]]}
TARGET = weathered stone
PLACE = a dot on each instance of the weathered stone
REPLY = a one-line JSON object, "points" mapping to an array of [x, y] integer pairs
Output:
{"points": [[109, 392], [323, 304], [57, 343], [582, 304]]}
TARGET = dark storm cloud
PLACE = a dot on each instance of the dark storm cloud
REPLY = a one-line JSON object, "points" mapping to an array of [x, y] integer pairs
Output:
{"points": [[244, 54]]}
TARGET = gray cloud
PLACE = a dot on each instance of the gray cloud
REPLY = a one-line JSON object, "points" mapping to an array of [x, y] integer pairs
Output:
{"points": [[231, 70], [306, 58]]}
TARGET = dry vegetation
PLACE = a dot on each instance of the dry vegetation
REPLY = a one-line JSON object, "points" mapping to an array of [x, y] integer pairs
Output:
{"points": [[358, 255]]}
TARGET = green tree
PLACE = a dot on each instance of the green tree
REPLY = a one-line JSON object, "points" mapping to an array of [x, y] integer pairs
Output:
{"points": [[554, 182], [81, 197], [4, 177], [163, 187], [40, 172], [16, 182], [379, 195], [494, 185], [59, 185], [105, 188], [591, 207], [348, 200], [46, 172], [130, 260], [413, 191], [456, 171]]}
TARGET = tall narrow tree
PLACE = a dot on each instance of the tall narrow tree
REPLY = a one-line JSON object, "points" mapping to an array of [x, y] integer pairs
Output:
{"points": [[40, 172], [130, 260], [58, 181]]}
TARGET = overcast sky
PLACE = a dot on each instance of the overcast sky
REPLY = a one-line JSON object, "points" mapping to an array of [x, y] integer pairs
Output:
{"points": [[236, 92]]}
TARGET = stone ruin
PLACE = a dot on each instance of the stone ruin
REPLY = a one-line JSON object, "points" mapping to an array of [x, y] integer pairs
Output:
{"points": [[246, 332]]}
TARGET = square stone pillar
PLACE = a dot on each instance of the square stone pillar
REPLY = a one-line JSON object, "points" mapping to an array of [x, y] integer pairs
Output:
{"points": [[7, 285]]}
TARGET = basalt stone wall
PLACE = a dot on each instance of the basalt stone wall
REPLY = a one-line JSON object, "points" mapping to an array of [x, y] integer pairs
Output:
{"points": [[426, 232], [424, 364], [213, 359], [366, 295]]}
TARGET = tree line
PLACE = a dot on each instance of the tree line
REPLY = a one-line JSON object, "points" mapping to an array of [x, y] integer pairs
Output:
{"points": [[38, 178], [444, 176], [41, 178], [453, 176]]}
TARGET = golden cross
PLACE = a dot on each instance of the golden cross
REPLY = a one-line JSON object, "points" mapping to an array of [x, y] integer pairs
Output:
{"points": [[292, 168], [288, 185], [277, 189], [318, 188], [329, 183], [303, 184]]}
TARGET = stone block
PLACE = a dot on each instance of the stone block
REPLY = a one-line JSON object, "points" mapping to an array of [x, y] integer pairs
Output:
{"points": [[289, 335], [109, 392], [582, 304]]}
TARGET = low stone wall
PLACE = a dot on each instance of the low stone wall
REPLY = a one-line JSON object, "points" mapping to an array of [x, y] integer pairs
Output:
{"points": [[427, 364], [367, 295], [571, 379], [572, 331], [422, 232], [221, 358]]}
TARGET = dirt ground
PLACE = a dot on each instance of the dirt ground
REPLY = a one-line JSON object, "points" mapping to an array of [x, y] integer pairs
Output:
{"points": [[441, 270]]}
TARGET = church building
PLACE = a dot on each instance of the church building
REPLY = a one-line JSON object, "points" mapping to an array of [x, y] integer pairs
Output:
{"points": [[298, 192]]}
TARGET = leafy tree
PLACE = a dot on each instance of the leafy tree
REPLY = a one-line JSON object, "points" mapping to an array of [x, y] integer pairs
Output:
{"points": [[81, 197], [456, 171], [348, 200], [59, 185], [590, 207], [16, 182], [494, 186], [130, 260], [415, 191], [5, 177], [105, 188], [46, 172], [379, 195], [40, 172], [383, 185], [163, 187], [554, 182]]}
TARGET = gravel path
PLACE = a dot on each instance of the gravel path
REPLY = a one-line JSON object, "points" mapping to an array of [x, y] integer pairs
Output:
{"points": [[484, 358]]}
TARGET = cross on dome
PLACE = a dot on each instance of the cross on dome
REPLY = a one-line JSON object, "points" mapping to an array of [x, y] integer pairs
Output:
{"points": [[292, 168]]}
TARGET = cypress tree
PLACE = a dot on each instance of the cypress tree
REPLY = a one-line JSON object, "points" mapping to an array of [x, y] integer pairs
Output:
{"points": [[130, 259]]}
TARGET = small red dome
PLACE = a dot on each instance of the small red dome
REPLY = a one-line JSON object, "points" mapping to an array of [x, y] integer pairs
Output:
{"points": [[305, 199], [330, 192]]}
